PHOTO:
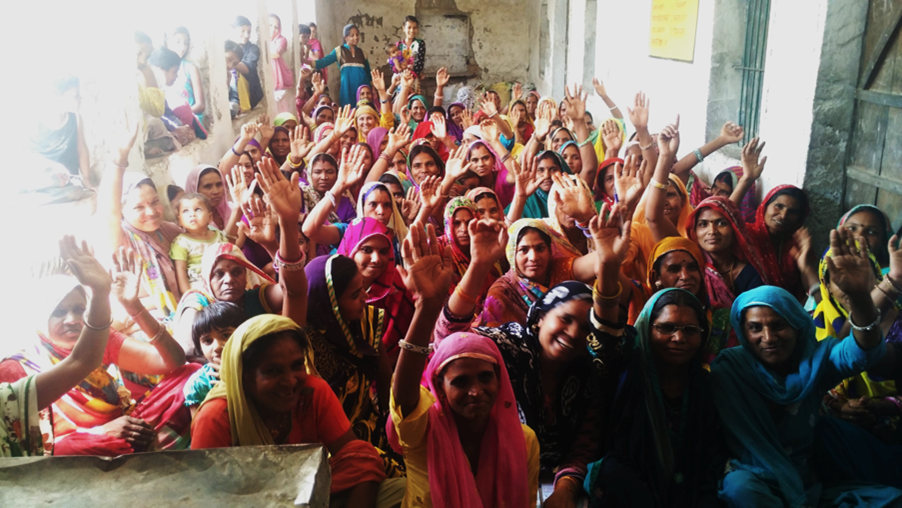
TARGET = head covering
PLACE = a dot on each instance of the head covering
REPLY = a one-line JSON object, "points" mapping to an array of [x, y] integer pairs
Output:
{"points": [[460, 256], [472, 194], [396, 224], [366, 109], [672, 244], [685, 210], [281, 118], [719, 293], [499, 167], [473, 130], [882, 254], [537, 205], [747, 206], [743, 387], [549, 100], [830, 315], [374, 139], [218, 251], [466, 97], [245, 423], [503, 477], [780, 270], [319, 110], [599, 190], [552, 219], [324, 315], [558, 246], [360, 88], [454, 129], [359, 231], [417, 150], [193, 181], [320, 132], [275, 130], [423, 130], [550, 139], [417, 98]]}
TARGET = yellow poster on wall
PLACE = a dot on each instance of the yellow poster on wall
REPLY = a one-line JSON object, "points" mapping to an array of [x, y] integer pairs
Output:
{"points": [[672, 33]]}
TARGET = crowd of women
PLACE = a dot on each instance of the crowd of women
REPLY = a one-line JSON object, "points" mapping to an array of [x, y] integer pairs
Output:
{"points": [[477, 305]]}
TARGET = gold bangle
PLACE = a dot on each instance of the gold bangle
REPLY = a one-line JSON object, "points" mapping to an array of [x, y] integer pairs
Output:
{"points": [[466, 297], [659, 185], [597, 292]]}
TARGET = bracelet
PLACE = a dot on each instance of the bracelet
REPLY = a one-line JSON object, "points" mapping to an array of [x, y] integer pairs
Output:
{"points": [[596, 293], [384, 156], [157, 335], [493, 114], [646, 147], [893, 284], [331, 197], [613, 332], [293, 165], [384, 101], [580, 145], [237, 154], [437, 96], [413, 348], [465, 296], [659, 185], [698, 155], [814, 287], [576, 482], [289, 266], [867, 328], [138, 314], [506, 157], [612, 108], [118, 165], [97, 328]]}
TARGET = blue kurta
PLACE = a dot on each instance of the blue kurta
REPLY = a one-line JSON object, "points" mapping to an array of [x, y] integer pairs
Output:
{"points": [[355, 71]]}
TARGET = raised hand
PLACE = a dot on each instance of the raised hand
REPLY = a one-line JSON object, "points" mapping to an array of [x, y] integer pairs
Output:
{"points": [[576, 102], [397, 138], [282, 195], [126, 280], [407, 79], [378, 81], [611, 135], [639, 112], [731, 133], [84, 266], [344, 121], [439, 128], [441, 78], [669, 140], [544, 117], [430, 196], [488, 105], [405, 116], [599, 87], [516, 117], [238, 186], [526, 179], [490, 132], [516, 92], [895, 261], [395, 80], [300, 144], [802, 251], [611, 234], [430, 268], [457, 164], [304, 75], [410, 206], [351, 170], [249, 131], [751, 160], [849, 265], [319, 85], [572, 199], [466, 119], [265, 127], [488, 239], [306, 120], [629, 181], [262, 227]]}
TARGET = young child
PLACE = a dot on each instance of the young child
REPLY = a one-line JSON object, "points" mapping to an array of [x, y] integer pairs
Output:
{"points": [[239, 87], [352, 63], [210, 331], [395, 59], [174, 193], [195, 216]]}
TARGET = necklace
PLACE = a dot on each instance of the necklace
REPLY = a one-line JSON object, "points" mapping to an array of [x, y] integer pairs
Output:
{"points": [[729, 273], [284, 425]]}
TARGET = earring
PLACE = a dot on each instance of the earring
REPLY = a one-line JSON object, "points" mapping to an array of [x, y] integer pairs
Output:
{"points": [[658, 284]]}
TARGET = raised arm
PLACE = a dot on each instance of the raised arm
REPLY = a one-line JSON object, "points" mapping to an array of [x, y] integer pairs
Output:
{"points": [[162, 353], [397, 139], [850, 270], [299, 138], [611, 235], [487, 241], [284, 197], [350, 172], [230, 159], [639, 118], [87, 354], [441, 80], [488, 107], [612, 137], [729, 133], [455, 167], [403, 92], [526, 182], [344, 120], [752, 167], [109, 199], [603, 93], [660, 226], [384, 99], [430, 274], [576, 110], [319, 88]]}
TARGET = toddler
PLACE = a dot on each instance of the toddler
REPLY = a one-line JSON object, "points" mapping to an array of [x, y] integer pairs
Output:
{"points": [[395, 59], [210, 331], [195, 216]]}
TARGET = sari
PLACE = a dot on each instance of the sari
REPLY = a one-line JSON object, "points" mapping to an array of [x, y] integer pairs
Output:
{"points": [[598, 191], [70, 425], [413, 124], [698, 191], [511, 296], [343, 213], [374, 139], [505, 472], [158, 275], [773, 462], [193, 181], [555, 224], [882, 254], [645, 290], [425, 129], [659, 452], [537, 204], [417, 149], [20, 432], [281, 118], [396, 225], [387, 292], [347, 356], [317, 418], [779, 266], [503, 191], [453, 128], [565, 422], [461, 256], [269, 148], [720, 295]]}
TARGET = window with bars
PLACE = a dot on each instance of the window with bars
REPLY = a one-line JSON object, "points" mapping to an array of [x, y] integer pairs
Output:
{"points": [[752, 67]]}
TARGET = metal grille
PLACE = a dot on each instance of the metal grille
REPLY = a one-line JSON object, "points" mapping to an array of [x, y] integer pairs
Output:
{"points": [[753, 66]]}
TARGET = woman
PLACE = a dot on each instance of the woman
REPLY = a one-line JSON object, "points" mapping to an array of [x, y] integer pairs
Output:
{"points": [[283, 79], [107, 413], [345, 336], [723, 185], [322, 173], [279, 145], [461, 438], [365, 241], [603, 189], [366, 119], [425, 131], [548, 163], [287, 120], [871, 223], [458, 213], [249, 406], [378, 140], [558, 137], [423, 161], [731, 264], [525, 127], [492, 173], [674, 262], [323, 114], [454, 120], [207, 180], [353, 65], [777, 219], [539, 260], [418, 107], [325, 131], [570, 206]]}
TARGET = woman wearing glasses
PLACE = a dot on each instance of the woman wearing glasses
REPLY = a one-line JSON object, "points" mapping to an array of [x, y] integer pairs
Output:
{"points": [[662, 443]]}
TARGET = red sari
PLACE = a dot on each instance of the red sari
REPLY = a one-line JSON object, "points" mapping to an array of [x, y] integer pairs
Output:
{"points": [[778, 266]]}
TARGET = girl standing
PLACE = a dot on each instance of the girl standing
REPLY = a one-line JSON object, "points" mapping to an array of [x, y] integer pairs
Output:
{"points": [[283, 79], [352, 63]]}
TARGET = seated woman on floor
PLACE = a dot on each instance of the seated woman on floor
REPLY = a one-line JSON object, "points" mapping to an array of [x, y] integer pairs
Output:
{"points": [[106, 414]]}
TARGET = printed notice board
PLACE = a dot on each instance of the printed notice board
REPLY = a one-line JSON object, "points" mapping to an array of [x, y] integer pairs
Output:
{"points": [[672, 33]]}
